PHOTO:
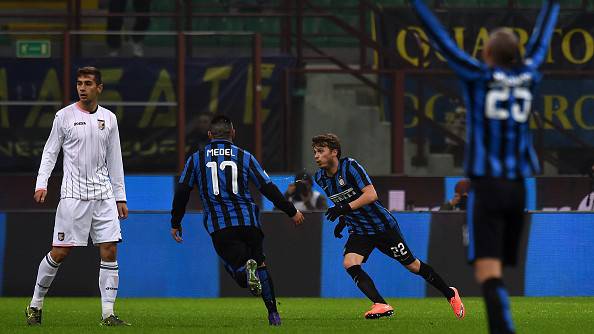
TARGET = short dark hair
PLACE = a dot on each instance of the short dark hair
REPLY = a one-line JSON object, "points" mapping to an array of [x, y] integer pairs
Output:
{"points": [[221, 127], [90, 70], [328, 140], [504, 47]]}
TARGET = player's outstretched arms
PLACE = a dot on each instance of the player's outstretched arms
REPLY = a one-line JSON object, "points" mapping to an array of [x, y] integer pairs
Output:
{"points": [[539, 41], [39, 195], [464, 65]]}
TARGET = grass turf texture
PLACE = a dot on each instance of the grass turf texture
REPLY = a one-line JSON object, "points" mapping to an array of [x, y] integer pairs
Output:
{"points": [[311, 315]]}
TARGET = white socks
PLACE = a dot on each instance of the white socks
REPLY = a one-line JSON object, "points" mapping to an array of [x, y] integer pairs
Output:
{"points": [[108, 283], [45, 276], [108, 286]]}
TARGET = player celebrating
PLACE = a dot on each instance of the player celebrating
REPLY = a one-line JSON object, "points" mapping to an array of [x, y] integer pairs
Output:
{"points": [[371, 225], [221, 171], [499, 153], [92, 194]]}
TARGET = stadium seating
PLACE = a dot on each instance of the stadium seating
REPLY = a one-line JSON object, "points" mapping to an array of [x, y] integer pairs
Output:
{"points": [[329, 34]]}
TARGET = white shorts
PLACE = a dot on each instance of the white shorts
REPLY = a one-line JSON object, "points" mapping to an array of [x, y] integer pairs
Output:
{"points": [[77, 219]]}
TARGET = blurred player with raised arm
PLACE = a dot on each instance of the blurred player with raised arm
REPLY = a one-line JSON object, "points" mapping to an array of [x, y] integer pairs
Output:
{"points": [[499, 151], [370, 224], [222, 171], [92, 196]]}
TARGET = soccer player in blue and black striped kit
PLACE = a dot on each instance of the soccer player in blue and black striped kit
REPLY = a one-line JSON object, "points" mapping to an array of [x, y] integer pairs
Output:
{"points": [[222, 171], [370, 224], [499, 151]]}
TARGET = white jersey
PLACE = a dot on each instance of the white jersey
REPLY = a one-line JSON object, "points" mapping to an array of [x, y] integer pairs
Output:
{"points": [[93, 168]]}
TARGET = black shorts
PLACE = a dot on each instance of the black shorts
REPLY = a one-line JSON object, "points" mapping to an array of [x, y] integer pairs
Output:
{"points": [[389, 242], [235, 245], [495, 219]]}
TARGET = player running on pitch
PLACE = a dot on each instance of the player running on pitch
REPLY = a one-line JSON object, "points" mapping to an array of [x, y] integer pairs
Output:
{"points": [[222, 171], [370, 224]]}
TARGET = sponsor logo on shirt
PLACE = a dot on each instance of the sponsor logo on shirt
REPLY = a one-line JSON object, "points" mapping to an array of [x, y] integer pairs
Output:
{"points": [[79, 123], [343, 196]]}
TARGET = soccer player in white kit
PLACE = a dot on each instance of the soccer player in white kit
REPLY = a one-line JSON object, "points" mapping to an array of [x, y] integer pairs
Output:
{"points": [[93, 195]]}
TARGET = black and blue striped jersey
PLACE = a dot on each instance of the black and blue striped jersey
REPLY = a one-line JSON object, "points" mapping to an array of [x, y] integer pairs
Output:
{"points": [[346, 186], [498, 100], [222, 172]]}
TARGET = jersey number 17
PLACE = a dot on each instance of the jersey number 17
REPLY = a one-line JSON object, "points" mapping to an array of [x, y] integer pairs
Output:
{"points": [[214, 173]]}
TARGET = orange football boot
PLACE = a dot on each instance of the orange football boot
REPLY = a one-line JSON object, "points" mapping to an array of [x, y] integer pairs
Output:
{"points": [[379, 310], [456, 304]]}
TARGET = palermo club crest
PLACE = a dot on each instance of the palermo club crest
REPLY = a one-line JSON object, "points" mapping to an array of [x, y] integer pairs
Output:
{"points": [[101, 124]]}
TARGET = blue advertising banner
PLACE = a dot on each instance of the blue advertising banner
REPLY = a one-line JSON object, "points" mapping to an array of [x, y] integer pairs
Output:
{"points": [[189, 269], [556, 240]]}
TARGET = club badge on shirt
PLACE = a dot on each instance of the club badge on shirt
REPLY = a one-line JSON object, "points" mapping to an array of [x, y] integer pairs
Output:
{"points": [[61, 236], [341, 181], [101, 124]]}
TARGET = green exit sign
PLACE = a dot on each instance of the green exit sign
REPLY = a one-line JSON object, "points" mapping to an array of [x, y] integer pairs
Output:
{"points": [[34, 48]]}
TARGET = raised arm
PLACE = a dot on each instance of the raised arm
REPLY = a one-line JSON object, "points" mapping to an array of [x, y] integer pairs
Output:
{"points": [[538, 44], [464, 65]]}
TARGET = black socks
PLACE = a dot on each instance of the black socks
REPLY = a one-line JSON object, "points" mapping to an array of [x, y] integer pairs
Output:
{"points": [[365, 284], [267, 289], [427, 272], [498, 307]]}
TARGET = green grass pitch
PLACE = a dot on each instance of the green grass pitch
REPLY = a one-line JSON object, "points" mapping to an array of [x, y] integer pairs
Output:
{"points": [[306, 315]]}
